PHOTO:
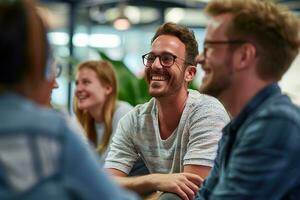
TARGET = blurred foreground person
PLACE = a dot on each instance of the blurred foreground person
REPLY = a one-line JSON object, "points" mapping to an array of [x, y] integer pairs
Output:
{"points": [[248, 47], [40, 156]]}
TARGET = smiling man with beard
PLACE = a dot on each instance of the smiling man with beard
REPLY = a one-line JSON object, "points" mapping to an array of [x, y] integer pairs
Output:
{"points": [[177, 131]]}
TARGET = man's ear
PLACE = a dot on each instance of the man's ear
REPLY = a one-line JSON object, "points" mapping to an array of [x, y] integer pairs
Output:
{"points": [[245, 56], [190, 73]]}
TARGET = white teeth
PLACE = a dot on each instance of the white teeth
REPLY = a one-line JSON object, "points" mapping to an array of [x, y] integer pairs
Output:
{"points": [[81, 97], [158, 78]]}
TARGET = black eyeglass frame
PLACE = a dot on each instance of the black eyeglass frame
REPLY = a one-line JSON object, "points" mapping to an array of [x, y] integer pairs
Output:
{"points": [[144, 58], [58, 70], [218, 42]]}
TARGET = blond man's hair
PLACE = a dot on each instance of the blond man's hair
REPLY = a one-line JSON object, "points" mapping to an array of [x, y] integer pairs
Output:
{"points": [[272, 28]]}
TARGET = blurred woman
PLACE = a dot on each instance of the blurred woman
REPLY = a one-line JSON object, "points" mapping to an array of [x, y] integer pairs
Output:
{"points": [[96, 105]]}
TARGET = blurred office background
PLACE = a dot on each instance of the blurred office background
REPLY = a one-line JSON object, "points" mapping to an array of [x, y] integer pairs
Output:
{"points": [[122, 30]]}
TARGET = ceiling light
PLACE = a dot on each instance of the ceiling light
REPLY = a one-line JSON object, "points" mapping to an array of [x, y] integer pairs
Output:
{"points": [[122, 23], [175, 15]]}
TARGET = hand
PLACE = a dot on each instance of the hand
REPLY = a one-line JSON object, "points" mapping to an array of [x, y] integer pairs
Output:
{"points": [[186, 185]]}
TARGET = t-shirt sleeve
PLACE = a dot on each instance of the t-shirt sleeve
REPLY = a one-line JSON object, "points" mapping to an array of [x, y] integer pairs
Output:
{"points": [[122, 153], [206, 123], [121, 110]]}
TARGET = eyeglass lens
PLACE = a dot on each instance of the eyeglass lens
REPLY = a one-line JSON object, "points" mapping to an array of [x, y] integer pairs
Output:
{"points": [[58, 70], [166, 60], [207, 44]]}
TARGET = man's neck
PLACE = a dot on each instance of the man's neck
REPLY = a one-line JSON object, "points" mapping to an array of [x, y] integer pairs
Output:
{"points": [[170, 110], [236, 98]]}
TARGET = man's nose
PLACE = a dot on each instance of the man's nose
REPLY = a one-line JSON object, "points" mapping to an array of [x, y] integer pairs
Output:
{"points": [[78, 87], [156, 63], [55, 84], [200, 59]]}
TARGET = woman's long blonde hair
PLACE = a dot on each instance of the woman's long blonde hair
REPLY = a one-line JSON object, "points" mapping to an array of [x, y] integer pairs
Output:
{"points": [[106, 76]]}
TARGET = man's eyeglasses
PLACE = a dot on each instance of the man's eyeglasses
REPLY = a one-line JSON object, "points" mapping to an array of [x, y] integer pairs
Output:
{"points": [[58, 70], [166, 59], [208, 43]]}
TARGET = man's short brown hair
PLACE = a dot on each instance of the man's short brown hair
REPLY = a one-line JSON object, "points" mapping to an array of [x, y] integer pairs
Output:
{"points": [[185, 35]]}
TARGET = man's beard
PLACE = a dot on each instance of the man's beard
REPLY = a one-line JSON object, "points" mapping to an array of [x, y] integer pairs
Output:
{"points": [[219, 82]]}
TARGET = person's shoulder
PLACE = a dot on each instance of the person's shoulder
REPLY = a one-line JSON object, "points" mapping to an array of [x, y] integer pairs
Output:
{"points": [[204, 105], [280, 107], [122, 109], [145, 108], [26, 112], [200, 99], [123, 106], [121, 103], [56, 121], [275, 116], [23, 114]]}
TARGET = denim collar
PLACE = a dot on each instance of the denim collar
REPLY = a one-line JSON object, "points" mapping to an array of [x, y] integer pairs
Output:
{"points": [[230, 131], [253, 104]]}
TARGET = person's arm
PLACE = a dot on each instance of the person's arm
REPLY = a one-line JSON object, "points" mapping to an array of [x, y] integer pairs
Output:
{"points": [[122, 153], [201, 171], [122, 109], [263, 162], [184, 184], [206, 121], [212, 179]]}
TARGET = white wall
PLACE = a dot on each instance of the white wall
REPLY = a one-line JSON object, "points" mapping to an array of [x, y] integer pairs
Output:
{"points": [[290, 82]]}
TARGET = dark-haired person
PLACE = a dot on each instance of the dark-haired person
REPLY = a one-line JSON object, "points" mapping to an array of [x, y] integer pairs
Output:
{"points": [[37, 155], [177, 131], [248, 47]]}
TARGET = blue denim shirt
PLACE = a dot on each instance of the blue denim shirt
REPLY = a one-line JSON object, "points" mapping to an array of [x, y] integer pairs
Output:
{"points": [[42, 158], [258, 155]]}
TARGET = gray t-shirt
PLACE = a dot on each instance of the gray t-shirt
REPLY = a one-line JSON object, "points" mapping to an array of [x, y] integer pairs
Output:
{"points": [[194, 141], [122, 108]]}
